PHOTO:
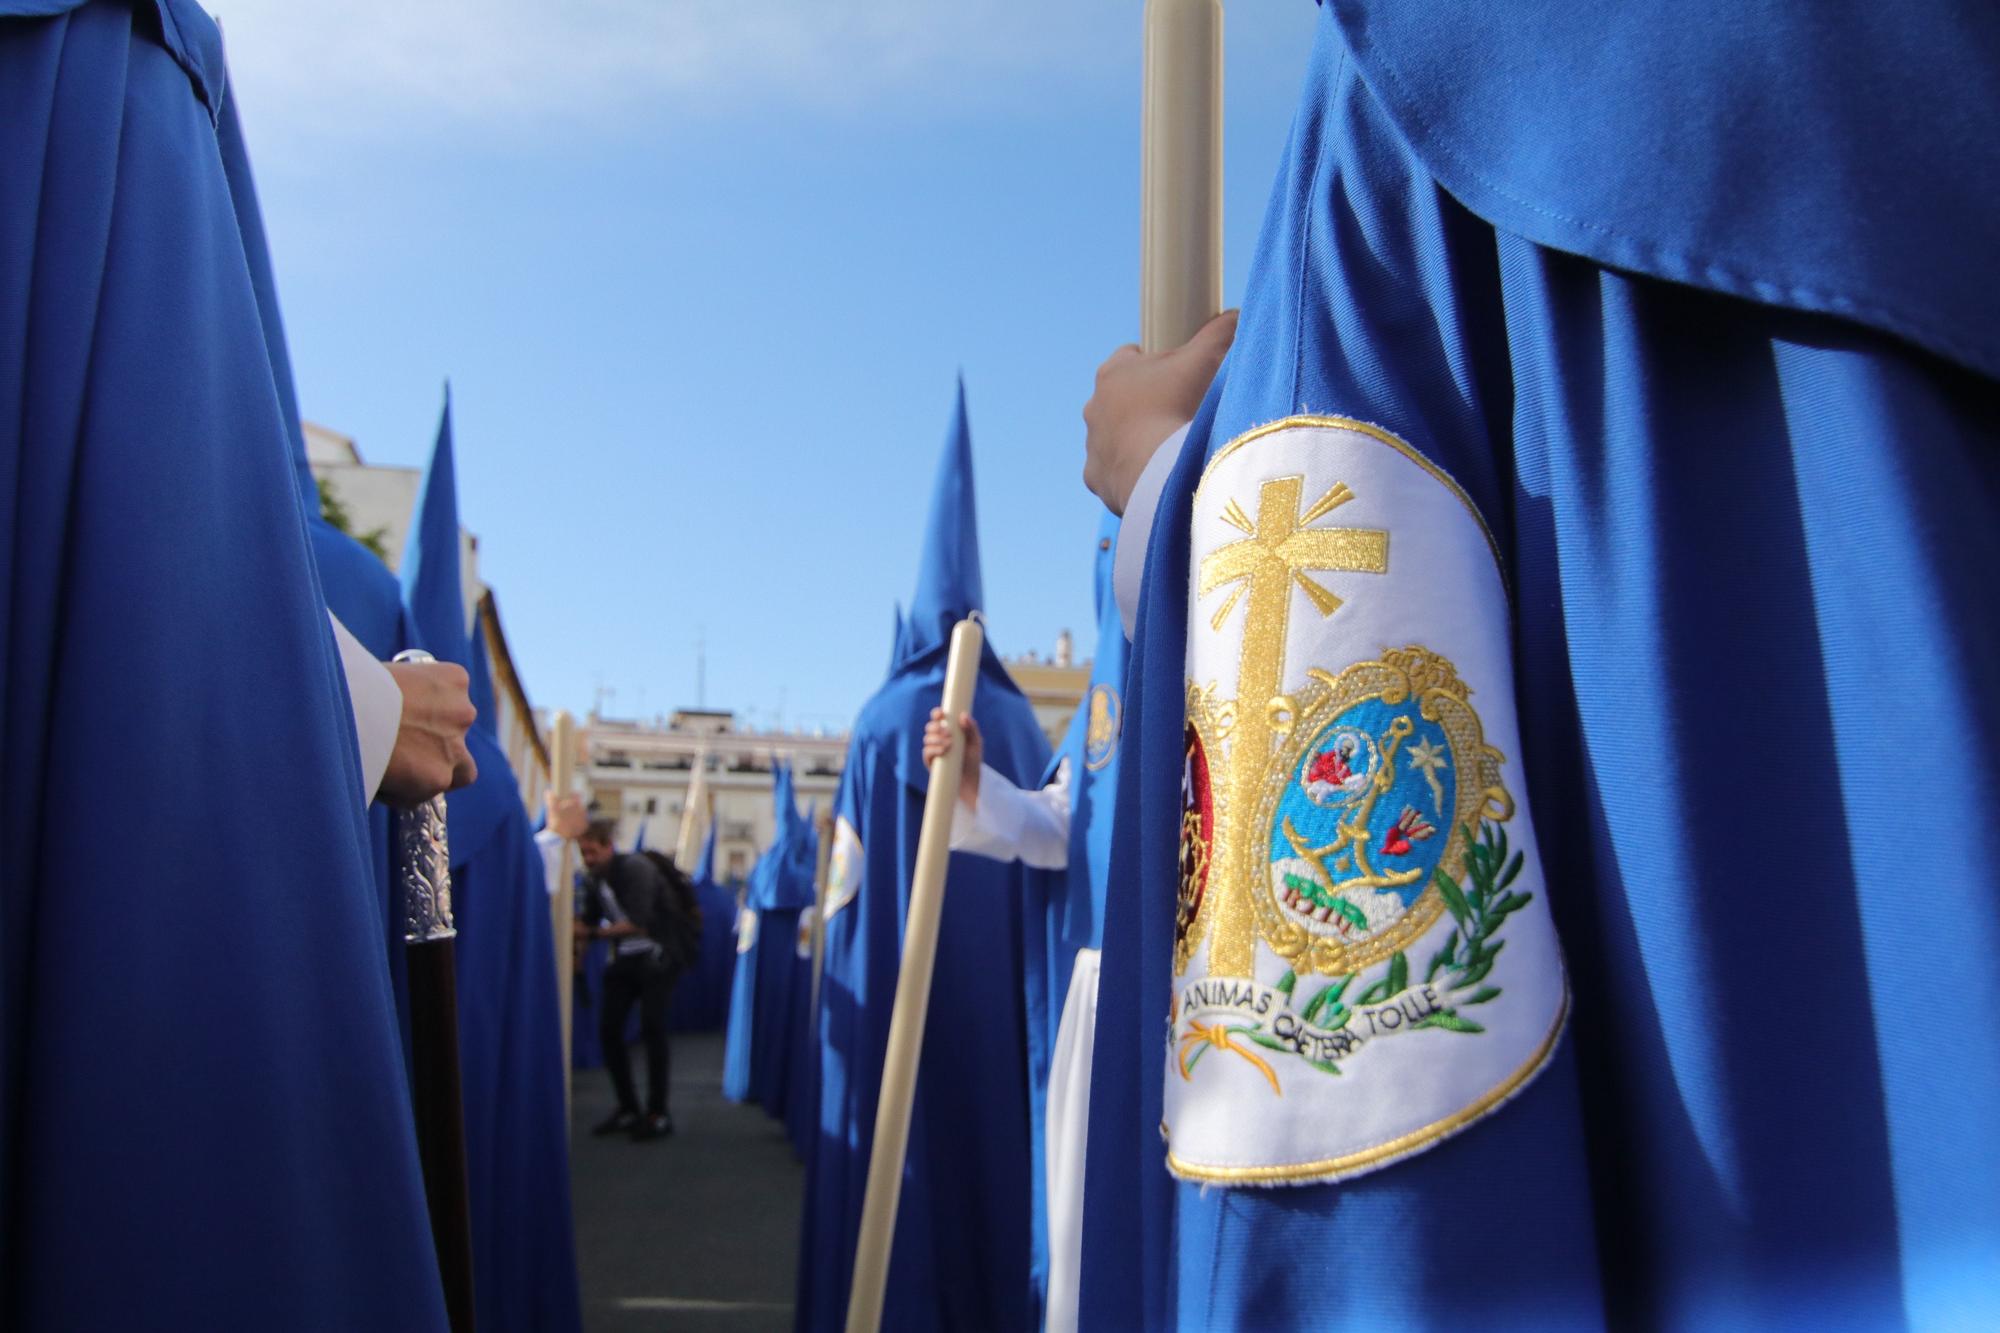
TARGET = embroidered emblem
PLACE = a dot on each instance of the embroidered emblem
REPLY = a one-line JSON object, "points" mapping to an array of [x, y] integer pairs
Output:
{"points": [[1379, 737], [1107, 720], [802, 945], [1352, 862], [746, 930], [843, 867], [1371, 764]]}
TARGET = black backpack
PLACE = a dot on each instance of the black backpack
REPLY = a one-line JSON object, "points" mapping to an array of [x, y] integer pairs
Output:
{"points": [[676, 928]]}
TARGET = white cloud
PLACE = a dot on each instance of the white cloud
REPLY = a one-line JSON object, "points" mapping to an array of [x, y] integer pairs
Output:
{"points": [[366, 66]]}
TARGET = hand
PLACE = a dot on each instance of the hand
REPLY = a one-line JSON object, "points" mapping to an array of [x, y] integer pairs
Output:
{"points": [[1140, 400], [938, 741], [430, 755], [567, 817]]}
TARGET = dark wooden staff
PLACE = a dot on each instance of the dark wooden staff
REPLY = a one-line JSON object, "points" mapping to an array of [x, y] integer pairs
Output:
{"points": [[423, 870]]}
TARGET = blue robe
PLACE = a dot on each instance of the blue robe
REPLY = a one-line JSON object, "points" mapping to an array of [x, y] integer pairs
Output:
{"points": [[962, 1247], [516, 1122], [963, 1232], [524, 1274], [1744, 540], [202, 1104], [585, 1051], [701, 998], [801, 1109], [737, 1050], [1063, 910], [757, 1057]]}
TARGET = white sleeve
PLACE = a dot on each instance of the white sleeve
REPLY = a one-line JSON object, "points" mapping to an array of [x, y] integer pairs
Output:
{"points": [[378, 707], [550, 844], [1010, 824], [1128, 563]]}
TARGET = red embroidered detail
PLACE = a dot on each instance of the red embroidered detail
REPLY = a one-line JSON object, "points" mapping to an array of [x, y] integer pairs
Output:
{"points": [[1409, 827], [1329, 766]]}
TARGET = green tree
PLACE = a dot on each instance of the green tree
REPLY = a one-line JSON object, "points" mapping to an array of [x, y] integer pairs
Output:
{"points": [[334, 512]]}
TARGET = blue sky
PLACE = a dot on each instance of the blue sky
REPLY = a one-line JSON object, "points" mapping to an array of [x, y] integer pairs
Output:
{"points": [[702, 274]]}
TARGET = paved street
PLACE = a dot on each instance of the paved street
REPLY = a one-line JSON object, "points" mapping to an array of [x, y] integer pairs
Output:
{"points": [[693, 1233]]}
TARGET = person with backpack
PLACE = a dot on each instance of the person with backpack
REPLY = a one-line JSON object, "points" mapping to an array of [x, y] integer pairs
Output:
{"points": [[646, 908]]}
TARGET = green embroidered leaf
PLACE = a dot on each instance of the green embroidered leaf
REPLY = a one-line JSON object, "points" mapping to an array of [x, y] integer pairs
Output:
{"points": [[1375, 994], [1352, 914], [1323, 1067], [1339, 1021], [1481, 996], [1513, 902], [1328, 994], [1513, 869], [1399, 974], [1454, 899], [1451, 1023], [1264, 1039], [1476, 972], [1286, 982], [1442, 958]]}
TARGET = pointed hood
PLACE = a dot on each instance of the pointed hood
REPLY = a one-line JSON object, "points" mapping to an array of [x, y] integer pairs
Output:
{"points": [[948, 582], [432, 583], [783, 876], [784, 801], [896, 639]]}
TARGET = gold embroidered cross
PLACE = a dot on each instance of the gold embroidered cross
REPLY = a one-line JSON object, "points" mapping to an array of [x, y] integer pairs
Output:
{"points": [[1279, 550]]}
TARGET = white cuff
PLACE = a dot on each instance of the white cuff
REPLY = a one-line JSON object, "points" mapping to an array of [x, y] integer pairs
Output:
{"points": [[1128, 563], [550, 844], [378, 707], [1010, 824]]}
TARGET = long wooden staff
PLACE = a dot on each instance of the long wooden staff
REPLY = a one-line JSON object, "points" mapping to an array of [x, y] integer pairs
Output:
{"points": [[562, 903], [823, 826], [913, 996], [1180, 177], [423, 869]]}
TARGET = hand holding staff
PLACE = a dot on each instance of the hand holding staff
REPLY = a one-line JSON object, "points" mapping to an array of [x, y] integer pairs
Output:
{"points": [[913, 997]]}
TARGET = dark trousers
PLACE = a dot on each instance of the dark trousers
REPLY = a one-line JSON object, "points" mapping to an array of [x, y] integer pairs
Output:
{"points": [[647, 981]]}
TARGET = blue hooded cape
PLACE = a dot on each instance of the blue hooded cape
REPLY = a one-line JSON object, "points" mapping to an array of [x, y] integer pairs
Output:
{"points": [[757, 1057], [202, 1104], [801, 1100], [701, 998], [961, 1251], [1746, 541], [516, 1127]]}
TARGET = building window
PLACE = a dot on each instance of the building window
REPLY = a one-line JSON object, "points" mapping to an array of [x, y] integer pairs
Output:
{"points": [[652, 805]]}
